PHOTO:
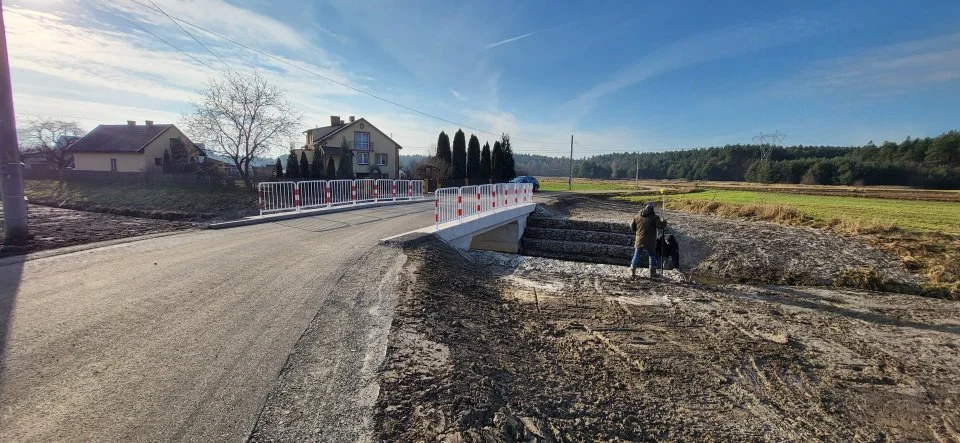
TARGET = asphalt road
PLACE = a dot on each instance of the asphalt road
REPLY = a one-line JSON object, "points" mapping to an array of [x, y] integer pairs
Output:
{"points": [[177, 338]]}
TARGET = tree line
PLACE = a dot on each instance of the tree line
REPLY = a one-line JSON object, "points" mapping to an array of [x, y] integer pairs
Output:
{"points": [[467, 160], [931, 162]]}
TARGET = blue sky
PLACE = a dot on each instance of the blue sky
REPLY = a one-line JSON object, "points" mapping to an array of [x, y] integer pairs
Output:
{"points": [[621, 76]]}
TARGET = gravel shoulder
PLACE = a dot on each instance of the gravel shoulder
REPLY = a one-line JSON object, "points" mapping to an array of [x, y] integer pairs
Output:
{"points": [[328, 385], [488, 347]]}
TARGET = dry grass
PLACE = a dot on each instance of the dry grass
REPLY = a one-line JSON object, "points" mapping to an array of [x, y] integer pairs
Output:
{"points": [[934, 255]]}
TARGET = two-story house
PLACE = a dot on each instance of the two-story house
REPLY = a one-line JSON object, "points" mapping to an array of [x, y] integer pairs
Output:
{"points": [[375, 155]]}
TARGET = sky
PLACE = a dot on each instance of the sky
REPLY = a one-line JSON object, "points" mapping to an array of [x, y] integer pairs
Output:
{"points": [[618, 76]]}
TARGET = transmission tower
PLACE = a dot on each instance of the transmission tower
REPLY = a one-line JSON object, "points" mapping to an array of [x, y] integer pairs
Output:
{"points": [[767, 142]]}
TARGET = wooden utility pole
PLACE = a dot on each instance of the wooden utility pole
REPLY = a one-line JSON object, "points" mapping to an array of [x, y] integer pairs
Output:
{"points": [[11, 171], [570, 179]]}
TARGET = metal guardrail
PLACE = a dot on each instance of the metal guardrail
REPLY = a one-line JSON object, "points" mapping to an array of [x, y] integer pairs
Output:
{"points": [[457, 204], [313, 194]]}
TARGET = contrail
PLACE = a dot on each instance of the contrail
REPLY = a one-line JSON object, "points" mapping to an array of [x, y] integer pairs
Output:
{"points": [[503, 42]]}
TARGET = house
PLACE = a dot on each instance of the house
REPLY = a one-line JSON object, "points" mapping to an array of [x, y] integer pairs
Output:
{"points": [[375, 154], [129, 148]]}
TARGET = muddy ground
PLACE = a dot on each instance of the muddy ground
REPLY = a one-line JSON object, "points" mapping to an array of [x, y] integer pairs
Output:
{"points": [[743, 250], [55, 227], [489, 347]]}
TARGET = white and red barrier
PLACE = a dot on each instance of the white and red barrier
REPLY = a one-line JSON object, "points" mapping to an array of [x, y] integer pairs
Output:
{"points": [[457, 204], [313, 194]]}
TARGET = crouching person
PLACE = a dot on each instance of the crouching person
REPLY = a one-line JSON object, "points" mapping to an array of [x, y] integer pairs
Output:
{"points": [[644, 226], [669, 251]]}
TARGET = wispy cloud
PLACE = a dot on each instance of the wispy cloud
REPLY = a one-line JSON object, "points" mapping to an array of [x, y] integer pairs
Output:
{"points": [[458, 95], [890, 70], [510, 40], [692, 51]]}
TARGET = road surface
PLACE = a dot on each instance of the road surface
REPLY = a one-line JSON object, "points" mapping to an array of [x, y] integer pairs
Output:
{"points": [[178, 338]]}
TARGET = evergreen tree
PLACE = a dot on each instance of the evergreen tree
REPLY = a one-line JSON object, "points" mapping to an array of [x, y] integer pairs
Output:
{"points": [[443, 148], [167, 163], [304, 166], [509, 165], [293, 167], [496, 158], [346, 160], [458, 166], [486, 165], [316, 168], [331, 169], [180, 159], [473, 159], [279, 169]]}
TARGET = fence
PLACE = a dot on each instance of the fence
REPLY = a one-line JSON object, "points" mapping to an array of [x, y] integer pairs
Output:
{"points": [[297, 196], [455, 204]]}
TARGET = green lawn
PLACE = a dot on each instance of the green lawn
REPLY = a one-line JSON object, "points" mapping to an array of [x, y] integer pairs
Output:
{"points": [[921, 216]]}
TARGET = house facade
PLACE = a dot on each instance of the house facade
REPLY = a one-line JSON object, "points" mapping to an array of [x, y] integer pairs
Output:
{"points": [[375, 154], [129, 148]]}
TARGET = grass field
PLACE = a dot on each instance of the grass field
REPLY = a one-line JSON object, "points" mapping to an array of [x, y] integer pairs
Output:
{"points": [[152, 201], [584, 184], [910, 215], [894, 192]]}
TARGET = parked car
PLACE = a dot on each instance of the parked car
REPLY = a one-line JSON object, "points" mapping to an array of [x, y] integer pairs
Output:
{"points": [[527, 179]]}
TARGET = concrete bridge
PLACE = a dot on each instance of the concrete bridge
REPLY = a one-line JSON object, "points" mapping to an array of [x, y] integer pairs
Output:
{"points": [[483, 225]]}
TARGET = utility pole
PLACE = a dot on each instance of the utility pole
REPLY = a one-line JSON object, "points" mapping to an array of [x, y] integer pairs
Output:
{"points": [[570, 180], [637, 178], [11, 174]]}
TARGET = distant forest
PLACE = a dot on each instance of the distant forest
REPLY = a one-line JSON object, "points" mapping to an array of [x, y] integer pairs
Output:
{"points": [[921, 162]]}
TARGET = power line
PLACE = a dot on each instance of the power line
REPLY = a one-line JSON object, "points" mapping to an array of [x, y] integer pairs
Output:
{"points": [[370, 94], [194, 38], [168, 43]]}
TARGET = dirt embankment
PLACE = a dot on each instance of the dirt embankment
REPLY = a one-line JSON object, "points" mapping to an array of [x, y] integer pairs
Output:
{"points": [[159, 202], [51, 228], [499, 350], [743, 250]]}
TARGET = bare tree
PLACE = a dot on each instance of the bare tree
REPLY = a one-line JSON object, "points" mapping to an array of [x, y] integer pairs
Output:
{"points": [[48, 138], [242, 118]]}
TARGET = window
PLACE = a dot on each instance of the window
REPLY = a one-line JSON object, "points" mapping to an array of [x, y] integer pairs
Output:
{"points": [[381, 159], [158, 161], [361, 141], [113, 165], [363, 158]]}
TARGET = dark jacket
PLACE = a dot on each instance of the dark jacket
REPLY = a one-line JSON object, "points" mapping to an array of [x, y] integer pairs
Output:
{"points": [[645, 226]]}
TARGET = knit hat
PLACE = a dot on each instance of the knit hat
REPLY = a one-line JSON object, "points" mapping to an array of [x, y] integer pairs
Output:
{"points": [[650, 206]]}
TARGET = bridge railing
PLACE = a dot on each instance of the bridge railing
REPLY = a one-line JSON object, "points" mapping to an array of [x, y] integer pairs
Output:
{"points": [[291, 196], [457, 204]]}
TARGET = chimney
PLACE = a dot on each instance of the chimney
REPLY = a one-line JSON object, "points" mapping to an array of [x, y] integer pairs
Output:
{"points": [[131, 123], [334, 120], [149, 123], [352, 119]]}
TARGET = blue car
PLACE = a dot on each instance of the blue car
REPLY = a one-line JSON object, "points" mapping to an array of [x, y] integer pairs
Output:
{"points": [[527, 179]]}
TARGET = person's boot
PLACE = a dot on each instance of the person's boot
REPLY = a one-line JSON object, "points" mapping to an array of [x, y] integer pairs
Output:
{"points": [[633, 272]]}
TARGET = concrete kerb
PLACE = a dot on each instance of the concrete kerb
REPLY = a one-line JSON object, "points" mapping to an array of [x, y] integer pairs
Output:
{"points": [[269, 218]]}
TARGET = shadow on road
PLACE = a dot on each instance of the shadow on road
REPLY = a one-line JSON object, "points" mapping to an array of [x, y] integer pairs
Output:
{"points": [[11, 271]]}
